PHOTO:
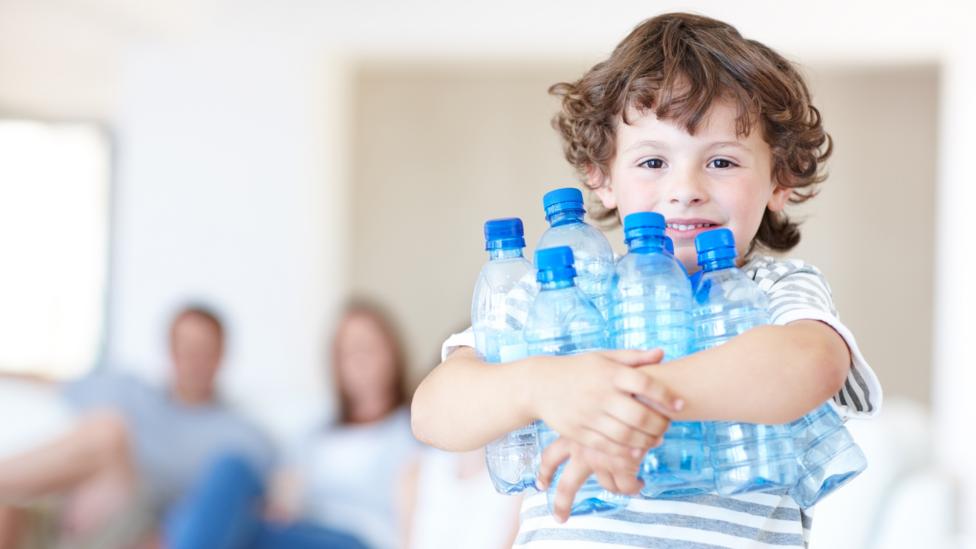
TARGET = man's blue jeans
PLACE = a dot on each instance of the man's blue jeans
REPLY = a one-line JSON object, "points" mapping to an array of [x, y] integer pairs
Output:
{"points": [[224, 511]]}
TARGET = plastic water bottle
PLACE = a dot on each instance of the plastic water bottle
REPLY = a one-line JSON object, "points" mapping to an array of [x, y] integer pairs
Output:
{"points": [[563, 321], [651, 308], [669, 247], [499, 308], [829, 457], [592, 253], [746, 456]]}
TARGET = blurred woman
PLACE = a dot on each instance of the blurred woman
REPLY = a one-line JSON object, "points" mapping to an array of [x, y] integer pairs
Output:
{"points": [[338, 487]]}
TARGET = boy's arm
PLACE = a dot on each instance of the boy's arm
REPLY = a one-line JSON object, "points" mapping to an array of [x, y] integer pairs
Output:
{"points": [[770, 374], [466, 403]]}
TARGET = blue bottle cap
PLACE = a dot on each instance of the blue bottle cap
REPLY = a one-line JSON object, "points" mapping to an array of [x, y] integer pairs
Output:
{"points": [[715, 245], [554, 264], [559, 200], [643, 224], [669, 245], [504, 234]]}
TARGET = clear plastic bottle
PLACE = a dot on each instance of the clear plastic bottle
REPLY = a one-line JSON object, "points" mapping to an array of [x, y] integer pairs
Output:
{"points": [[669, 247], [746, 457], [829, 457], [563, 321], [591, 251], [651, 308], [499, 308]]}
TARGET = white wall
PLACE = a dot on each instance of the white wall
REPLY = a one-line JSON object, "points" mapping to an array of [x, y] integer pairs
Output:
{"points": [[955, 300], [231, 192]]}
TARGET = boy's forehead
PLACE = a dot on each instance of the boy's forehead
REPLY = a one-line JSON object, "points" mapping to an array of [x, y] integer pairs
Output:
{"points": [[719, 123]]}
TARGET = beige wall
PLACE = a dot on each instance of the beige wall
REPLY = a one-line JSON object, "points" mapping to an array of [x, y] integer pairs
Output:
{"points": [[439, 149], [871, 228]]}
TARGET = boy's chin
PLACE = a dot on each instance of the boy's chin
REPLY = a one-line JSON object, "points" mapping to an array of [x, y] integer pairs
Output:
{"points": [[687, 258]]}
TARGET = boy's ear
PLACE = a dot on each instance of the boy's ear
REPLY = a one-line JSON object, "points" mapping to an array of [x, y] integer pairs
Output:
{"points": [[601, 186], [777, 200]]}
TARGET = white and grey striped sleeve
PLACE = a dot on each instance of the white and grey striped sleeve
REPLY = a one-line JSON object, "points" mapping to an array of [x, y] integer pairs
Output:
{"points": [[798, 291], [463, 339]]}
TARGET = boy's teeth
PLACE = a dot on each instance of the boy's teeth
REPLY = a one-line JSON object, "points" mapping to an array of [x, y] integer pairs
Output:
{"points": [[680, 227]]}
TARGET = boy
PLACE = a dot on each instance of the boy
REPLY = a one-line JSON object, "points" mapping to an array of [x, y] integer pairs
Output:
{"points": [[689, 119]]}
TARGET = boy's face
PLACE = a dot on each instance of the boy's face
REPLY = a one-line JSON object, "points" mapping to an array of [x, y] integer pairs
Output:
{"points": [[697, 182]]}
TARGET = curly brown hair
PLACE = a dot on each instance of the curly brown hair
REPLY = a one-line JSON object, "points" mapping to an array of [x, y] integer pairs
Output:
{"points": [[677, 65]]}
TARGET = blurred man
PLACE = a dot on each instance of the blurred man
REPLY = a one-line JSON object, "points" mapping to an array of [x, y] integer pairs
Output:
{"points": [[137, 448]]}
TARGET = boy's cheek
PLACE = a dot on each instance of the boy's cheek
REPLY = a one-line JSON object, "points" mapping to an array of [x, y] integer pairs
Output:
{"points": [[631, 201]]}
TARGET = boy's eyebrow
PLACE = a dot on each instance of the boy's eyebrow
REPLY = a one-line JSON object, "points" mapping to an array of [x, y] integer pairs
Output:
{"points": [[719, 144], [663, 145], [647, 143]]}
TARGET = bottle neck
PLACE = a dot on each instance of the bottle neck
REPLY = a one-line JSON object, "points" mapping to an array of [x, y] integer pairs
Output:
{"points": [[565, 217], [504, 253], [718, 264], [646, 244], [557, 284]]}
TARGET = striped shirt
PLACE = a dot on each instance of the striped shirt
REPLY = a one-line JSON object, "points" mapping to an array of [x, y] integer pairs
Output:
{"points": [[796, 291]]}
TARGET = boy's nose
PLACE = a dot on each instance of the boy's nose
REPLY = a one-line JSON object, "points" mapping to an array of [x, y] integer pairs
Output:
{"points": [[688, 191]]}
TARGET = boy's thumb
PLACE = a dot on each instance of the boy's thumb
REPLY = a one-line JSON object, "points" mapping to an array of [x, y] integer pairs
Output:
{"points": [[634, 357]]}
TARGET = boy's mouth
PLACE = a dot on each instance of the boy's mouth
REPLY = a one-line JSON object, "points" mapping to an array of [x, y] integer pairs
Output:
{"points": [[684, 229]]}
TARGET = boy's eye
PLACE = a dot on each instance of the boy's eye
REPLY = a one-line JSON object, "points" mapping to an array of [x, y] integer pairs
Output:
{"points": [[722, 163], [654, 163]]}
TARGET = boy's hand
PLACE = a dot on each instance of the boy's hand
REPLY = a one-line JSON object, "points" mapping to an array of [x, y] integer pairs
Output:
{"points": [[589, 398], [617, 474]]}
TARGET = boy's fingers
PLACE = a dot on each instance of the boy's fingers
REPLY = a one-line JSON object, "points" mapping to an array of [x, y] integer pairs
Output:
{"points": [[638, 416], [627, 484], [606, 480], [621, 433], [574, 475], [552, 458], [598, 441], [632, 357], [648, 390], [615, 474], [624, 473]]}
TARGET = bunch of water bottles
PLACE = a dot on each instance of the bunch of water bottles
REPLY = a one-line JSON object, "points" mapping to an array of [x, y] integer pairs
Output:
{"points": [[578, 299]]}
